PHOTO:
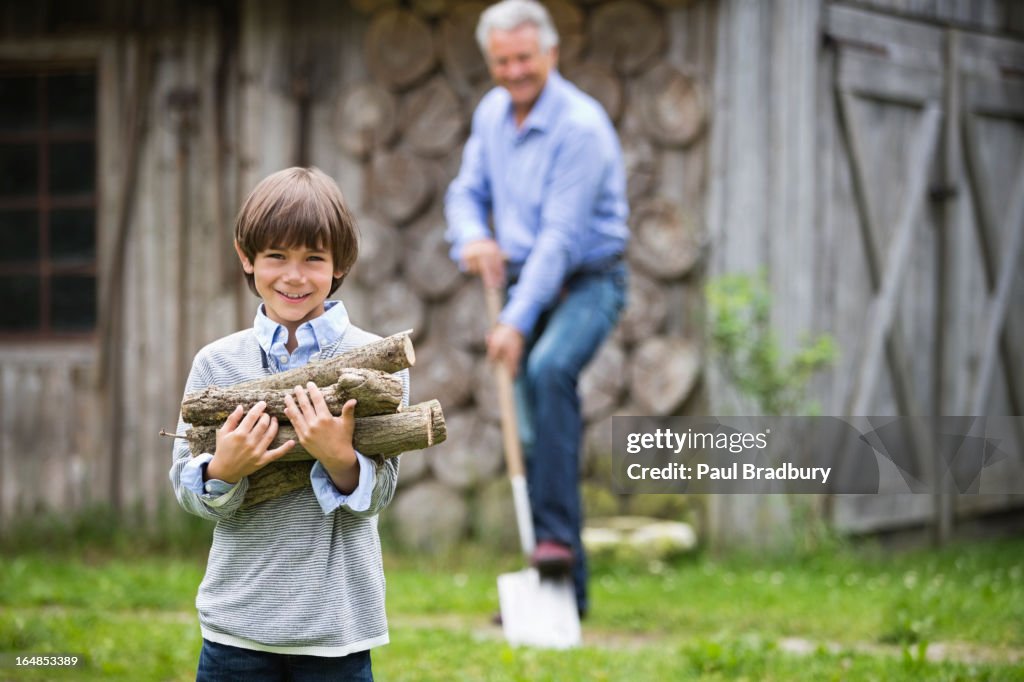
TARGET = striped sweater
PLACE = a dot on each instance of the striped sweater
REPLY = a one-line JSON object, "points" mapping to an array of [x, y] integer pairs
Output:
{"points": [[283, 576]]}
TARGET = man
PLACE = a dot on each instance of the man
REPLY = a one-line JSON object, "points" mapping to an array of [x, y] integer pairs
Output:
{"points": [[544, 163]]}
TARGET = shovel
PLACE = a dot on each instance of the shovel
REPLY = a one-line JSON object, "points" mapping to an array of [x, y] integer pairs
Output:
{"points": [[534, 612]]}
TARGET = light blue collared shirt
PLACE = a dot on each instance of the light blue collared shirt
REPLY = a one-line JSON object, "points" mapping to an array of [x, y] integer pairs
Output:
{"points": [[555, 187], [313, 336]]}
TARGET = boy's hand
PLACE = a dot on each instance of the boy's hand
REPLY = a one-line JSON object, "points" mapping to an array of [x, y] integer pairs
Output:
{"points": [[326, 437], [242, 444]]}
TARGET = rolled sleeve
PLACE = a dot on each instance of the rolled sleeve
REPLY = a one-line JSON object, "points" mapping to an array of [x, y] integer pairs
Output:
{"points": [[331, 499], [214, 492]]}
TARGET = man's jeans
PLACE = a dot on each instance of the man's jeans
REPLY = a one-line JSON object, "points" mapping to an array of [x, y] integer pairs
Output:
{"points": [[550, 422], [225, 663]]}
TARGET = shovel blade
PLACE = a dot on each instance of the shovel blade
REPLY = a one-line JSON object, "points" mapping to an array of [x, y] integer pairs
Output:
{"points": [[537, 612]]}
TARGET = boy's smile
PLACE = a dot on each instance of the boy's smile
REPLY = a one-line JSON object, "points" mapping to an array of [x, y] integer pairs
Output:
{"points": [[293, 282]]}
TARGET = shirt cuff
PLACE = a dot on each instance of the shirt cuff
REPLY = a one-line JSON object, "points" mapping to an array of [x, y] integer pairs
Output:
{"points": [[214, 492], [330, 498], [520, 314]]}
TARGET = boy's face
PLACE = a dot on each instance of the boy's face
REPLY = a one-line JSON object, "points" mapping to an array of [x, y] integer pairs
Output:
{"points": [[293, 282]]}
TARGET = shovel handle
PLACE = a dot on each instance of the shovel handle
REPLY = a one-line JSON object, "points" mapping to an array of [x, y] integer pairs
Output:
{"points": [[506, 401]]}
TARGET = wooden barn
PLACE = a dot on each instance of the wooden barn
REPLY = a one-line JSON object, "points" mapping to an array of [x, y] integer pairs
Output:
{"points": [[867, 155]]}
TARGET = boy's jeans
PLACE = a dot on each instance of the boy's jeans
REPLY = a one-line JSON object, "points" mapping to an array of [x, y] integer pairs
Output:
{"points": [[225, 663], [550, 422]]}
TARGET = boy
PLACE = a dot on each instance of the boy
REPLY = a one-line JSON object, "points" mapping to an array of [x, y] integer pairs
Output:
{"points": [[294, 586]]}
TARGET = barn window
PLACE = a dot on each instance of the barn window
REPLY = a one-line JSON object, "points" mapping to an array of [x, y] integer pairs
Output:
{"points": [[47, 203]]}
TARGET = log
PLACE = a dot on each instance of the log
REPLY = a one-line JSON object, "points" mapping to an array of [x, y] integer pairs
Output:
{"points": [[275, 480], [464, 317], [399, 48], [492, 523], [602, 382], [388, 435], [666, 241], [485, 391], [432, 122], [568, 18], [472, 455], [377, 393], [446, 373], [379, 249], [601, 84], [463, 64], [641, 167], [429, 517], [364, 119], [673, 4], [390, 354], [396, 306], [646, 310], [626, 36], [412, 469], [431, 9], [665, 370], [368, 7], [401, 185], [426, 264], [672, 106]]}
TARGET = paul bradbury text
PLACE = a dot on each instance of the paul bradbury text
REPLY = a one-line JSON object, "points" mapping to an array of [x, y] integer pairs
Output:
{"points": [[733, 472]]}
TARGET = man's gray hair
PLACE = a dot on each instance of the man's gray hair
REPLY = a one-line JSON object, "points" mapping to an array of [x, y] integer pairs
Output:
{"points": [[510, 14]]}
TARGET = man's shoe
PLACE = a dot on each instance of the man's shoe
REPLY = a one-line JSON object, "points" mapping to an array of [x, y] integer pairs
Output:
{"points": [[552, 559]]}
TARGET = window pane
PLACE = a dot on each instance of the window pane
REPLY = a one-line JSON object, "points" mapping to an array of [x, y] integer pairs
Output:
{"points": [[72, 168], [71, 101], [73, 306], [19, 303], [19, 237], [72, 236], [19, 170], [20, 110]]}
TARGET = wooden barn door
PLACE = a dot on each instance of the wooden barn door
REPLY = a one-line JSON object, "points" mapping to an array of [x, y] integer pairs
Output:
{"points": [[924, 200]]}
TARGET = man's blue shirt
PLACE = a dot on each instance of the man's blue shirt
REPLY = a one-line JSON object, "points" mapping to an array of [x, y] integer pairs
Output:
{"points": [[555, 188]]}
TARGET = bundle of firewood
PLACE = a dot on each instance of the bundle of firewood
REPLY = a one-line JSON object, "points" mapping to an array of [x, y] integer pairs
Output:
{"points": [[383, 428]]}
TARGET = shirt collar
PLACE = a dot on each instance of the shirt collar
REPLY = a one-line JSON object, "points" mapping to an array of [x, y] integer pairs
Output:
{"points": [[544, 110], [326, 329]]}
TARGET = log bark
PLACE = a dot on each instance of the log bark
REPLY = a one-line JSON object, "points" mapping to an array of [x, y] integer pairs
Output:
{"points": [[375, 391], [626, 36], [364, 119], [390, 354], [275, 480], [672, 106], [388, 435], [399, 48]]}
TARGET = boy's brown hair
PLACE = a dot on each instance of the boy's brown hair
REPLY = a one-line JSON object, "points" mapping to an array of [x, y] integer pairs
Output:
{"points": [[298, 207]]}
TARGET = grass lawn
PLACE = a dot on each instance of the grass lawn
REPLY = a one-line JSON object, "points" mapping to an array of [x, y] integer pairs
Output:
{"points": [[837, 615]]}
